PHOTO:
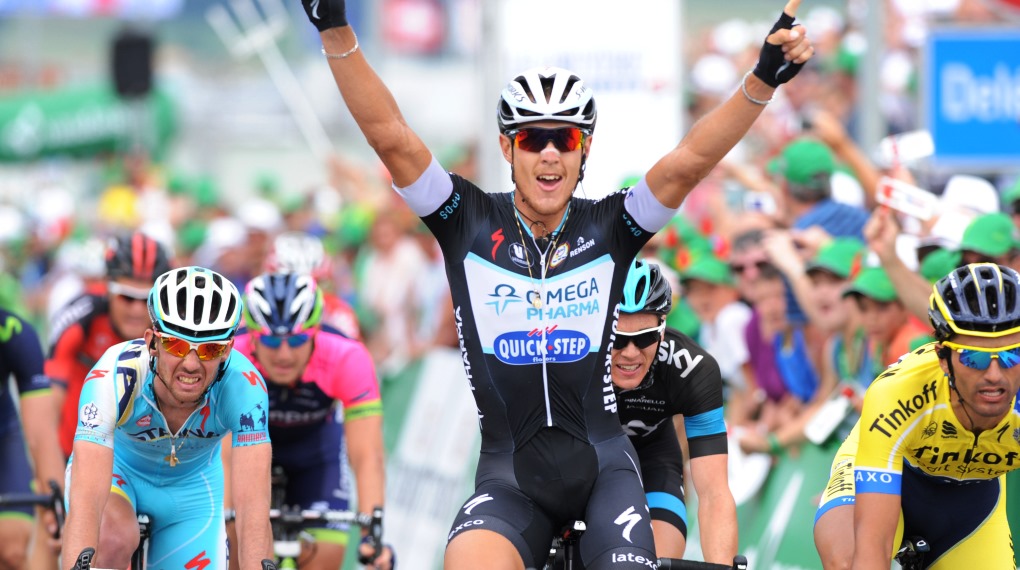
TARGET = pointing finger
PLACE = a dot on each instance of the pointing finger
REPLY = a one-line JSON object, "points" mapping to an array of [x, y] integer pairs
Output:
{"points": [[791, 7]]}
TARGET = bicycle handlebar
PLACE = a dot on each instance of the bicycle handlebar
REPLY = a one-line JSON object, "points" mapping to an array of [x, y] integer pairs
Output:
{"points": [[53, 501], [739, 563], [296, 516]]}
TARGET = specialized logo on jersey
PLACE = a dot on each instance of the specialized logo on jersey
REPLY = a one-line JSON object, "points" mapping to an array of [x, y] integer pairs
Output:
{"points": [[892, 420], [559, 255], [581, 246], [519, 255], [674, 353], [560, 345], [199, 562], [90, 416], [571, 311], [497, 240]]}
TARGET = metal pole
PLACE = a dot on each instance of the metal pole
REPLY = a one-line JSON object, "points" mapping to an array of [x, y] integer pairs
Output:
{"points": [[872, 126]]}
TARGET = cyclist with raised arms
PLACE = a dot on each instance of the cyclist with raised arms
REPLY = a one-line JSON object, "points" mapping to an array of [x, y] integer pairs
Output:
{"points": [[90, 324], [21, 357], [312, 373], [938, 431], [535, 276], [150, 420], [660, 373]]}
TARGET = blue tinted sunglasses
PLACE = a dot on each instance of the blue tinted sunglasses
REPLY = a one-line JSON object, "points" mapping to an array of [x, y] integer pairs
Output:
{"points": [[293, 340], [981, 358]]}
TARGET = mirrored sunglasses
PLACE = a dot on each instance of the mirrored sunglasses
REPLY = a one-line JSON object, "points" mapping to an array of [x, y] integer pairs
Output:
{"points": [[180, 347], [276, 341], [535, 139], [641, 339], [981, 358], [126, 293]]}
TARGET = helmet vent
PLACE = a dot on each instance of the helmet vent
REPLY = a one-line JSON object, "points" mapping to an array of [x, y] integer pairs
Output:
{"points": [[568, 88], [196, 316], [523, 81]]}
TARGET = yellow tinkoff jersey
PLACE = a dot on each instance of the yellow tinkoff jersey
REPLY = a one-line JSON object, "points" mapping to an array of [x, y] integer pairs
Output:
{"points": [[908, 417]]}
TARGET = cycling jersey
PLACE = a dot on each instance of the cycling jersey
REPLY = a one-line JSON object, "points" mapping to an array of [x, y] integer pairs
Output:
{"points": [[909, 442], [338, 314], [80, 334], [20, 356], [118, 410], [685, 380], [534, 331], [303, 423]]}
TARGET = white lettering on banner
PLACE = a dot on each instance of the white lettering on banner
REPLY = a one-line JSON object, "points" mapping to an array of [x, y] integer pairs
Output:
{"points": [[575, 301], [986, 98]]}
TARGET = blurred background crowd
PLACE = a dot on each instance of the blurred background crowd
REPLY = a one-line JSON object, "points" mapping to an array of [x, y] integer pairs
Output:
{"points": [[802, 263]]}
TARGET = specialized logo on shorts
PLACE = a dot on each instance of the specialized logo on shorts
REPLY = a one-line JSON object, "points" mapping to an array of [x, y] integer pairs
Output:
{"points": [[198, 562], [519, 255], [90, 416], [948, 430], [526, 347], [559, 255], [904, 410], [470, 505], [628, 519]]}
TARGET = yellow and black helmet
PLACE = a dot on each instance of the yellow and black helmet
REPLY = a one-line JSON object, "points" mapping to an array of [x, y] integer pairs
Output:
{"points": [[979, 299]]}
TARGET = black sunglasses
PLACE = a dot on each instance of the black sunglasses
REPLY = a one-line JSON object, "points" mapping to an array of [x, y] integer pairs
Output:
{"points": [[641, 339]]}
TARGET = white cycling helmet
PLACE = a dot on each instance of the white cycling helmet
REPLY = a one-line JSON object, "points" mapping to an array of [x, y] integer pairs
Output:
{"points": [[298, 252], [546, 94], [196, 304]]}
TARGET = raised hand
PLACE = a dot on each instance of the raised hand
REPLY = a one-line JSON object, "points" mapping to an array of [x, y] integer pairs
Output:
{"points": [[786, 49], [325, 14]]}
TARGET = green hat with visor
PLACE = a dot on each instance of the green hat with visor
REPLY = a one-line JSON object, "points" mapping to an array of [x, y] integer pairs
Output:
{"points": [[802, 161], [939, 263], [990, 234], [872, 282], [709, 269], [841, 257]]}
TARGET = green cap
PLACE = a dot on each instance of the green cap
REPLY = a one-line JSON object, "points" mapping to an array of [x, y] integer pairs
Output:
{"points": [[990, 234], [802, 160], [872, 282], [709, 269], [841, 257], [1012, 194], [939, 263]]}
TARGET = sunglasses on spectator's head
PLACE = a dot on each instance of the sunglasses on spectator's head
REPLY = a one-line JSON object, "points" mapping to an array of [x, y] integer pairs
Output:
{"points": [[276, 341], [126, 293], [981, 358], [641, 339], [535, 139], [180, 347], [739, 268]]}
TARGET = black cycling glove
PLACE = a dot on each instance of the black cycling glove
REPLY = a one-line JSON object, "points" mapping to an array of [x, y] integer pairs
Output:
{"points": [[268, 564], [84, 561], [772, 68], [325, 14]]}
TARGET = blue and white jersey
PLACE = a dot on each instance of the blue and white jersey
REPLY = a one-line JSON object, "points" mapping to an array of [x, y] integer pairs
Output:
{"points": [[118, 409], [516, 305]]}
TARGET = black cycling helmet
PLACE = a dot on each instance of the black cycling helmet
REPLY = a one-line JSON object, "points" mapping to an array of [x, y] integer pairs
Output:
{"points": [[136, 256], [646, 290], [979, 299]]}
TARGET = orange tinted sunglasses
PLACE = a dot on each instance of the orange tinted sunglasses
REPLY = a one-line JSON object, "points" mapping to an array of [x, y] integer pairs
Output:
{"points": [[535, 139], [180, 347]]}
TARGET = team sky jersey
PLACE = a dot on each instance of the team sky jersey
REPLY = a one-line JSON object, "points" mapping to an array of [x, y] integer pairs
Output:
{"points": [[118, 410], [20, 355], [82, 332], [339, 370], [908, 420], [508, 319], [685, 380]]}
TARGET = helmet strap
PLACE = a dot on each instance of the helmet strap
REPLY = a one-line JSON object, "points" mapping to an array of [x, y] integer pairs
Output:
{"points": [[952, 385]]}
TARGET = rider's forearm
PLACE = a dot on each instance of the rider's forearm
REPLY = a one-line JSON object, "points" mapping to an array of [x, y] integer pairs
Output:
{"points": [[717, 519], [41, 438], [81, 530], [368, 461], [254, 537]]}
